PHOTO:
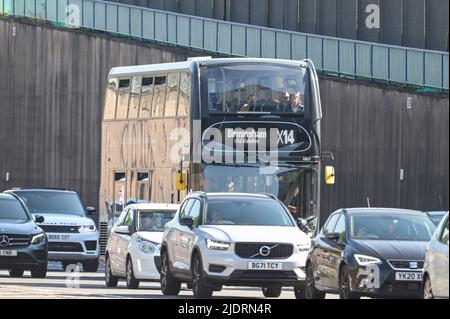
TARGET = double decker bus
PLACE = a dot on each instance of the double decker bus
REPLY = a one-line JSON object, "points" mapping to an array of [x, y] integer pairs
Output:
{"points": [[215, 125]]}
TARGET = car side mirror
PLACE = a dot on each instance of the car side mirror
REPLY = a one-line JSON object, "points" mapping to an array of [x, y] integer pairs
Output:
{"points": [[187, 221], [90, 211], [333, 236], [39, 219], [122, 230]]}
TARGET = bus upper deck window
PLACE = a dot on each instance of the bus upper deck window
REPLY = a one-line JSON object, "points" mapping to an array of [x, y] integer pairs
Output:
{"points": [[159, 98], [185, 94], [173, 83], [110, 100], [123, 99], [135, 96], [146, 97]]}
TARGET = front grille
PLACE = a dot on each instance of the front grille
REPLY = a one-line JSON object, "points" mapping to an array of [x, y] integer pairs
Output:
{"points": [[59, 229], [252, 250], [103, 237], [65, 247], [14, 241], [91, 244], [407, 264]]}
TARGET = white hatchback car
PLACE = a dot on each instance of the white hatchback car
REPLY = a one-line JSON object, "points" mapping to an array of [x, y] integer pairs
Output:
{"points": [[133, 247], [231, 239]]}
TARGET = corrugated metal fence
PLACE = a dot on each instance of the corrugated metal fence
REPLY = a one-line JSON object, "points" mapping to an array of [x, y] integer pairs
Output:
{"points": [[340, 57]]}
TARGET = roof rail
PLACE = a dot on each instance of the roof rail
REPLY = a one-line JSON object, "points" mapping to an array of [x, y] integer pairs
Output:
{"points": [[269, 195], [200, 193]]}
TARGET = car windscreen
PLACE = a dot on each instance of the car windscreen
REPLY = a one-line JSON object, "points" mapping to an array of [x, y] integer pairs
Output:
{"points": [[52, 203], [12, 209], [154, 220], [246, 212], [391, 226]]}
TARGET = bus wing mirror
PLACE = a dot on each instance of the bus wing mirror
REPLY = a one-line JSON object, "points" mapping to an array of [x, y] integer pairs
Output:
{"points": [[329, 175], [181, 181]]}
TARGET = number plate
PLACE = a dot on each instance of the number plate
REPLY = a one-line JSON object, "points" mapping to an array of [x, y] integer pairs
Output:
{"points": [[264, 266], [53, 237], [8, 252], [408, 276]]}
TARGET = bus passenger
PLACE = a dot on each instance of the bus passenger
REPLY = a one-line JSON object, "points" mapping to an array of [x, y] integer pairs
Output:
{"points": [[284, 106], [250, 105], [296, 103]]}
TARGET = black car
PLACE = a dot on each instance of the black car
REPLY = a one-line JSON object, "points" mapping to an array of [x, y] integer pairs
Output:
{"points": [[376, 252], [23, 245]]}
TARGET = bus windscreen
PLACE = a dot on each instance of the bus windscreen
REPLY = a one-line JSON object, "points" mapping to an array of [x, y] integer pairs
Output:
{"points": [[257, 88]]}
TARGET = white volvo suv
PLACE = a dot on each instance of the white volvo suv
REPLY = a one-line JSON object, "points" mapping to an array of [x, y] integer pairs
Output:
{"points": [[72, 235], [132, 251], [233, 239]]}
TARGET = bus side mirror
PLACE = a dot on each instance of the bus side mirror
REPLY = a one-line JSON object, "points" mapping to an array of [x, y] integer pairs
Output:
{"points": [[181, 181], [329, 175]]}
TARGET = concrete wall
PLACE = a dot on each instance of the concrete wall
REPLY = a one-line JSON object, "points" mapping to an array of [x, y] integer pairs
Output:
{"points": [[51, 97]]}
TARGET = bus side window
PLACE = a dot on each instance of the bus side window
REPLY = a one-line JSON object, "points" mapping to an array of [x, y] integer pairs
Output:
{"points": [[146, 97], [159, 98], [143, 186], [124, 95], [110, 100], [173, 83], [120, 192], [135, 96], [184, 101]]}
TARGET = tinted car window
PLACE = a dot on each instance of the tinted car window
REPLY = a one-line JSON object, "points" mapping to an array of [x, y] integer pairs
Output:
{"points": [[186, 208], [154, 220], [52, 203], [340, 227], [331, 224], [122, 218], [129, 219], [444, 237], [12, 209], [195, 212], [391, 226], [246, 211]]}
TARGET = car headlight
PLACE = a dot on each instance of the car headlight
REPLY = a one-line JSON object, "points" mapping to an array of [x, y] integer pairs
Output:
{"points": [[39, 239], [303, 248], [87, 229], [217, 245], [364, 260], [146, 246]]}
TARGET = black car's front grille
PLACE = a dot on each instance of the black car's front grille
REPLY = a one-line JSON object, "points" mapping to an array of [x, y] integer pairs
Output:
{"points": [[260, 251], [14, 241], [65, 247], [59, 229], [407, 264]]}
